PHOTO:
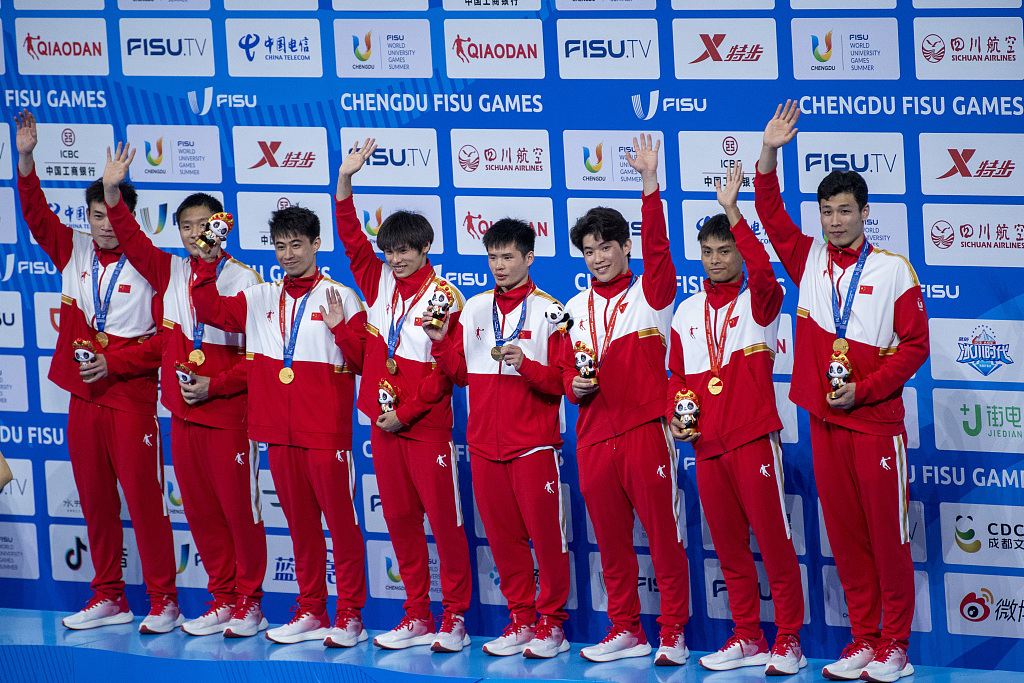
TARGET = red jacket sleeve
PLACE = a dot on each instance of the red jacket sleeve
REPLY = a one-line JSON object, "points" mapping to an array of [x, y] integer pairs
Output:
{"points": [[566, 365], [659, 281], [910, 322], [226, 312], [450, 354], [230, 382], [137, 360], [53, 236], [765, 291], [152, 263], [546, 379], [791, 245], [366, 265], [436, 387], [677, 380], [350, 336]]}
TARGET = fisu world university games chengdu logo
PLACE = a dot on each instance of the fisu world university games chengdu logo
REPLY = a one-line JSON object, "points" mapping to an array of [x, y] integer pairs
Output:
{"points": [[982, 352]]}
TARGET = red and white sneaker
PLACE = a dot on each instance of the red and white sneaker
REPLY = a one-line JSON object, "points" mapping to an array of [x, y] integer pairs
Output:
{"points": [[451, 637], [737, 652], [100, 611], [409, 633], [246, 619], [618, 644], [164, 615], [890, 663], [548, 641], [347, 630], [673, 651], [213, 621], [787, 657], [304, 626], [851, 663], [512, 641]]}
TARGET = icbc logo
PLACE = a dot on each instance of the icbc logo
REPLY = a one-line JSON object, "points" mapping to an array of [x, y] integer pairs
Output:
{"points": [[283, 203], [976, 608], [730, 146], [67, 136]]}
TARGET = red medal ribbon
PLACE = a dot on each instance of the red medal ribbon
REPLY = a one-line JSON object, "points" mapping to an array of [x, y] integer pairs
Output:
{"points": [[609, 324], [280, 314]]}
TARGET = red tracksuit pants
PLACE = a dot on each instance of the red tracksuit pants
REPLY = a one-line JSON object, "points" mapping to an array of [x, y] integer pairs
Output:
{"points": [[416, 478], [637, 471], [312, 482], [218, 471], [743, 490], [862, 487], [519, 500], [108, 446]]}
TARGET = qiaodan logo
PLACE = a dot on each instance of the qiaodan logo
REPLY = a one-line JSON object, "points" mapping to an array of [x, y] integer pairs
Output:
{"points": [[183, 559], [362, 56], [155, 160], [818, 54], [392, 570], [593, 167], [372, 230], [965, 536], [976, 608]]}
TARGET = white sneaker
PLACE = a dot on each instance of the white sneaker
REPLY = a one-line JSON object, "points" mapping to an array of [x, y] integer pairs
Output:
{"points": [[619, 643], [512, 641], [787, 657], [851, 663], [737, 652], [214, 621], [673, 650], [452, 635], [304, 626], [548, 641], [890, 663], [100, 612], [164, 615], [409, 633], [347, 630], [246, 619]]}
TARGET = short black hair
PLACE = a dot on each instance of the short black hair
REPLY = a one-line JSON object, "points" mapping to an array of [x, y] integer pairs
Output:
{"points": [[198, 199], [94, 194], [294, 220], [510, 231], [838, 182], [405, 229], [601, 222], [716, 227]]}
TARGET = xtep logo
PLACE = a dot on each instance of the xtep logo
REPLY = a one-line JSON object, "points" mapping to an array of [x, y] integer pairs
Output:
{"points": [[595, 167], [652, 105], [991, 168], [975, 607], [827, 54], [372, 230], [965, 537], [362, 56], [155, 160], [183, 557], [147, 221], [291, 159], [73, 557], [737, 53], [392, 570]]}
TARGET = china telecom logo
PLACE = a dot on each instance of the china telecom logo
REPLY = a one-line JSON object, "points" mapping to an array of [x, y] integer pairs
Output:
{"points": [[965, 538], [362, 56], [818, 54], [594, 167], [982, 352]]}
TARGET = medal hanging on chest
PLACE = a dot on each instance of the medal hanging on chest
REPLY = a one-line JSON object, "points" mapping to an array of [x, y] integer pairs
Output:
{"points": [[197, 355], [101, 308], [716, 348], [500, 340], [395, 331], [840, 369], [598, 360], [287, 373]]}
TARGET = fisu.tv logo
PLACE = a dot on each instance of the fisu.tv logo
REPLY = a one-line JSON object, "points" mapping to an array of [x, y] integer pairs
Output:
{"points": [[221, 100]]}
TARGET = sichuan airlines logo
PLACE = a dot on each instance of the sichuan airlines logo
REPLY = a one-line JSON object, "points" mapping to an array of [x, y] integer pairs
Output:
{"points": [[469, 158], [822, 56], [942, 234], [982, 352], [363, 55], [933, 48]]}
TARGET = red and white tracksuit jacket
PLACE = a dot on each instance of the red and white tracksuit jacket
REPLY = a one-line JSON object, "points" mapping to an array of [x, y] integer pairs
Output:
{"points": [[307, 422], [515, 471], [216, 464], [113, 435], [739, 457], [859, 454], [416, 467], [627, 459]]}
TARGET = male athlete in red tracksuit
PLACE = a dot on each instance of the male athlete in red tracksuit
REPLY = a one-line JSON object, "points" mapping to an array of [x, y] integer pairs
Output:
{"points": [[113, 434], [216, 464], [723, 350], [413, 455], [301, 336], [857, 432], [627, 458], [514, 437]]}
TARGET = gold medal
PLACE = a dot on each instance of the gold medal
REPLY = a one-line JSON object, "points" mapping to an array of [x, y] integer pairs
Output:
{"points": [[197, 356], [287, 375], [715, 385], [840, 346], [392, 366], [103, 339], [496, 353]]}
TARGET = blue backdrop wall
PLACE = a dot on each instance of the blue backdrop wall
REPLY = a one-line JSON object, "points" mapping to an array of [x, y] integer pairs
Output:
{"points": [[487, 108]]}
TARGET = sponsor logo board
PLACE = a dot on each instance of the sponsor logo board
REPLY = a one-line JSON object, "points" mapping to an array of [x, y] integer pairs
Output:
{"points": [[480, 48], [280, 576], [19, 550], [970, 420], [629, 208], [987, 535], [273, 513], [286, 48], [8, 222], [972, 163], [52, 399], [385, 576], [984, 605], [784, 349], [787, 413], [876, 156], [169, 5], [707, 156], [973, 235], [915, 519], [62, 493], [794, 513], [725, 49], [176, 154], [13, 384], [608, 48], [846, 49], [490, 581], [647, 586], [71, 557], [167, 47], [156, 213], [374, 48], [598, 160], [187, 562], [475, 215], [18, 497], [721, 5], [885, 227], [255, 208], [12, 325], [6, 167], [405, 157], [291, 5], [696, 211], [73, 152], [486, 6], [969, 48], [61, 46], [280, 155], [390, 6], [512, 159], [373, 210], [976, 350]]}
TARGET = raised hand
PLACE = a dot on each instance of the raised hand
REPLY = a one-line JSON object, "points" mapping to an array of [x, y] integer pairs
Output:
{"points": [[733, 181], [116, 171], [335, 312], [646, 159], [351, 164], [25, 141], [782, 128]]}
